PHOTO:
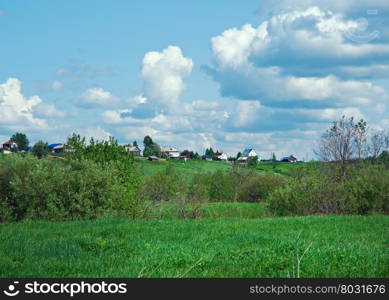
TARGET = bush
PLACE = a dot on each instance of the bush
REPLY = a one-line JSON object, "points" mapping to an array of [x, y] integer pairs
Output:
{"points": [[257, 187], [324, 190], [60, 190], [162, 186], [221, 186]]}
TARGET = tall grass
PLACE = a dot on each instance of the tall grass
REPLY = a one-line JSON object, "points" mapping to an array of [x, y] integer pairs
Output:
{"points": [[330, 246]]}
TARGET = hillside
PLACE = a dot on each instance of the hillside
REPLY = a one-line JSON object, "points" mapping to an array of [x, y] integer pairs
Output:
{"points": [[192, 167]]}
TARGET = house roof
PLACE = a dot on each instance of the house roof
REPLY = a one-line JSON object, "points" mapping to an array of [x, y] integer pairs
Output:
{"points": [[8, 145], [54, 145], [247, 151], [133, 148], [169, 149], [289, 157]]}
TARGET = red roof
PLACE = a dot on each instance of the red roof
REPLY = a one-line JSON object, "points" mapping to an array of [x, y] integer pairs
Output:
{"points": [[9, 143]]}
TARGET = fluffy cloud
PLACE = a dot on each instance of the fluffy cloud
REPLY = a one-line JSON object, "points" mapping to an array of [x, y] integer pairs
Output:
{"points": [[305, 66], [234, 46], [98, 96], [285, 62], [163, 75], [246, 113], [297, 41], [17, 111], [160, 111]]}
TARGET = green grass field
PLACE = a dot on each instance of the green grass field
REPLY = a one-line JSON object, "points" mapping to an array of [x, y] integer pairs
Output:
{"points": [[187, 169], [337, 246], [168, 211]]}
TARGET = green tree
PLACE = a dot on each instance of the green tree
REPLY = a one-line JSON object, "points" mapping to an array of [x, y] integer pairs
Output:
{"points": [[135, 144], [76, 142], [147, 141], [21, 140], [274, 160], [238, 155], [151, 148], [40, 149], [210, 152]]}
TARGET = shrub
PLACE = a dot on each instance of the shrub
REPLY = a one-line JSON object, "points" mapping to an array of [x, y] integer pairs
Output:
{"points": [[324, 189], [60, 190], [221, 186], [162, 186], [257, 187]]}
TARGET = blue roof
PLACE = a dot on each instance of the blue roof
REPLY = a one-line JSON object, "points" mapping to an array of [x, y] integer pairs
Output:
{"points": [[247, 151], [54, 145]]}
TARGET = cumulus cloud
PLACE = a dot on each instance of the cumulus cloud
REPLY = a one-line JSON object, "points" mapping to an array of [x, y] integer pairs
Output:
{"points": [[246, 113], [234, 46], [99, 97], [285, 62], [306, 66], [163, 75], [296, 41], [17, 111]]}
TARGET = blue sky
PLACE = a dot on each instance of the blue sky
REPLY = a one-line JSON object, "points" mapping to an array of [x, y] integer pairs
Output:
{"points": [[193, 74]]}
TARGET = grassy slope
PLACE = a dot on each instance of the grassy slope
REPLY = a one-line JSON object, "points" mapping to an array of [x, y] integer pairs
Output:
{"points": [[193, 167], [186, 169], [341, 247]]}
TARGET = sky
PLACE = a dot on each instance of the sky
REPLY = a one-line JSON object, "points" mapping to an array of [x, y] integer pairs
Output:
{"points": [[268, 75]]}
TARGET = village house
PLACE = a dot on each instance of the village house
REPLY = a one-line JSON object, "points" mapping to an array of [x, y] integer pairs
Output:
{"points": [[9, 145], [171, 152], [248, 154], [134, 149], [221, 156], [290, 158], [56, 148]]}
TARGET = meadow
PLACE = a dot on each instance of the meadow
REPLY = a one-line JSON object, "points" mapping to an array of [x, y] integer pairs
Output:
{"points": [[314, 246], [100, 213]]}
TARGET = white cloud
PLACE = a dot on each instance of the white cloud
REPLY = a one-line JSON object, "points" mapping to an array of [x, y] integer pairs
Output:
{"points": [[16, 111], [234, 46], [98, 133], [163, 75], [201, 105], [98, 96], [286, 61], [48, 111], [297, 41], [246, 112]]}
